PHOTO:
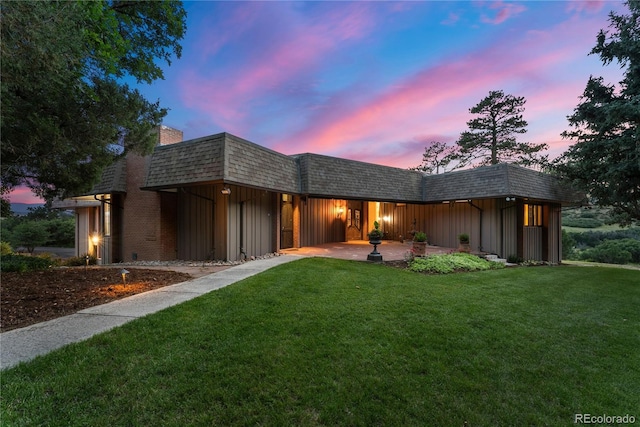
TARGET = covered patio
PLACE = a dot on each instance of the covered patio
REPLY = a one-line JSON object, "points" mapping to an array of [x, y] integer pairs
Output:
{"points": [[358, 250]]}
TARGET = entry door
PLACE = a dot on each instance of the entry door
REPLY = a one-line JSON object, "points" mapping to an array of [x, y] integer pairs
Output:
{"points": [[286, 221]]}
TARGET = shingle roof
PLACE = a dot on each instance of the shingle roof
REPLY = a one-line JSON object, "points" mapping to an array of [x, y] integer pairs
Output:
{"points": [[189, 162], [325, 176], [221, 157], [227, 158], [256, 166], [113, 180], [501, 180]]}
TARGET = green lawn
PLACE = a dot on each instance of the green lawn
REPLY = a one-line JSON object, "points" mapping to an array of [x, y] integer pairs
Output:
{"points": [[331, 342]]}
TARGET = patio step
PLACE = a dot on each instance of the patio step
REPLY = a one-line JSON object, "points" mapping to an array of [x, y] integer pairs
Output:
{"points": [[494, 258]]}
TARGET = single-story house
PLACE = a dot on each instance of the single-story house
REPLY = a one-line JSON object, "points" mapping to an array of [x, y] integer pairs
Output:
{"points": [[221, 197]]}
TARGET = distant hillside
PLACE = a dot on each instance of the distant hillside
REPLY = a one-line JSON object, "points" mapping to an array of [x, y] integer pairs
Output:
{"points": [[22, 208]]}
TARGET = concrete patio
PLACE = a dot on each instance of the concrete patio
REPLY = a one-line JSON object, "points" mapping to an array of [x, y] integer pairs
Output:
{"points": [[358, 250]]}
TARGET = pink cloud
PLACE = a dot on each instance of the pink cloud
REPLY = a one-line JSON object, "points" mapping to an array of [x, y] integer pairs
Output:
{"points": [[452, 18], [437, 99], [585, 5], [24, 195], [504, 12], [302, 45]]}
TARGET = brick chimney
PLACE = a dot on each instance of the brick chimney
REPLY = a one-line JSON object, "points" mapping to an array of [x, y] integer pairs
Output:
{"points": [[167, 135]]}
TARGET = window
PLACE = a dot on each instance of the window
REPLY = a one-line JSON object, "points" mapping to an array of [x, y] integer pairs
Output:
{"points": [[106, 212], [532, 215]]}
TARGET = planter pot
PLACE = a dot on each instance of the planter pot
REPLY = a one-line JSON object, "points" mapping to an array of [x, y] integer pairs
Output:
{"points": [[375, 255], [419, 248], [464, 247]]}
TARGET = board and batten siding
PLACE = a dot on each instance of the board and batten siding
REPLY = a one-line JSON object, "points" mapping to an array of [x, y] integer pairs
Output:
{"points": [[195, 219], [319, 223], [509, 245], [252, 223], [213, 226]]}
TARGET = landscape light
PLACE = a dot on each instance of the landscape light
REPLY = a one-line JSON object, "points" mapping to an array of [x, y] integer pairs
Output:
{"points": [[124, 276]]}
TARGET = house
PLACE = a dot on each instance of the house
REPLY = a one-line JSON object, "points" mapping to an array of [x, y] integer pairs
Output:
{"points": [[221, 197]]}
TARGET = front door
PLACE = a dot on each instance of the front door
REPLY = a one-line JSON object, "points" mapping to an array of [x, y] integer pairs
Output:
{"points": [[286, 221], [354, 220]]}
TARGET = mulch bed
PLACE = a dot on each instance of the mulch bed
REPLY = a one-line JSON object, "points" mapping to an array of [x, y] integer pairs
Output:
{"points": [[33, 297]]}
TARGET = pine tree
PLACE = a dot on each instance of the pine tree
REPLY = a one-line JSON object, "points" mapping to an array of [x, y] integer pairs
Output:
{"points": [[491, 137], [605, 160]]}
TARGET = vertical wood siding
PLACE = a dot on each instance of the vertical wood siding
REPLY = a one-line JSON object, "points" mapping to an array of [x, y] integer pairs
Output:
{"points": [[555, 234], [195, 223], [252, 220], [509, 230], [532, 249], [319, 222]]}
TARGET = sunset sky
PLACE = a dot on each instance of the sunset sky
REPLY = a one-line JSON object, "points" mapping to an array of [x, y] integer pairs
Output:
{"points": [[376, 81]]}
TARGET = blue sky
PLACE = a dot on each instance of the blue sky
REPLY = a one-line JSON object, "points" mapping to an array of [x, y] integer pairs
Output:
{"points": [[377, 81]]}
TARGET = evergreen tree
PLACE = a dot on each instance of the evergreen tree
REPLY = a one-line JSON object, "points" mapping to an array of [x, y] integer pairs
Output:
{"points": [[437, 158], [491, 136], [65, 112], [605, 160]]}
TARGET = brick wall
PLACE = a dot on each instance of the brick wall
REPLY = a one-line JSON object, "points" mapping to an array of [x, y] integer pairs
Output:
{"points": [[148, 217], [148, 222], [168, 135]]}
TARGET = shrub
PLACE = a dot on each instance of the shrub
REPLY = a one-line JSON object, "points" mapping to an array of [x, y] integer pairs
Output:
{"points": [[61, 232], [79, 261], [514, 259], [5, 248], [442, 264], [30, 234], [593, 238], [582, 222], [623, 251], [420, 237], [568, 244], [24, 263]]}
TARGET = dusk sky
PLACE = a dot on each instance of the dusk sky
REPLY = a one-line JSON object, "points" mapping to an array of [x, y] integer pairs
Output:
{"points": [[376, 81]]}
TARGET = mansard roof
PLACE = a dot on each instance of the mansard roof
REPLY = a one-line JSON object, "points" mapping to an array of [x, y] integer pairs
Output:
{"points": [[221, 158], [497, 181], [113, 180], [225, 158], [325, 176]]}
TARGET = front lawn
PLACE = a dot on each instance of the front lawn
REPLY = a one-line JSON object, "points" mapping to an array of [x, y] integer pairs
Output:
{"points": [[331, 342]]}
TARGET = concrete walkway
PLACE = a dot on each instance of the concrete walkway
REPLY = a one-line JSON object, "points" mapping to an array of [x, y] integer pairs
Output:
{"points": [[21, 345]]}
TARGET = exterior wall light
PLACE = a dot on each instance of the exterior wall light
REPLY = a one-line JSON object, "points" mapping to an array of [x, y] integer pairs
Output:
{"points": [[95, 239], [226, 191], [339, 212], [510, 199]]}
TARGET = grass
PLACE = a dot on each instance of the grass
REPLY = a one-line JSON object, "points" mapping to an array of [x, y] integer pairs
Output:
{"points": [[331, 342], [603, 227]]}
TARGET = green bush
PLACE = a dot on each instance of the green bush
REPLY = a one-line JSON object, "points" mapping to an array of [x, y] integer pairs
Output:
{"points": [[79, 261], [514, 259], [30, 234], [23, 263], [582, 222], [443, 264], [623, 251], [61, 232], [568, 245], [5, 248], [594, 238]]}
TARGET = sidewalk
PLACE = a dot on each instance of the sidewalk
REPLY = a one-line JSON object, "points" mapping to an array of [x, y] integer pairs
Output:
{"points": [[21, 345]]}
